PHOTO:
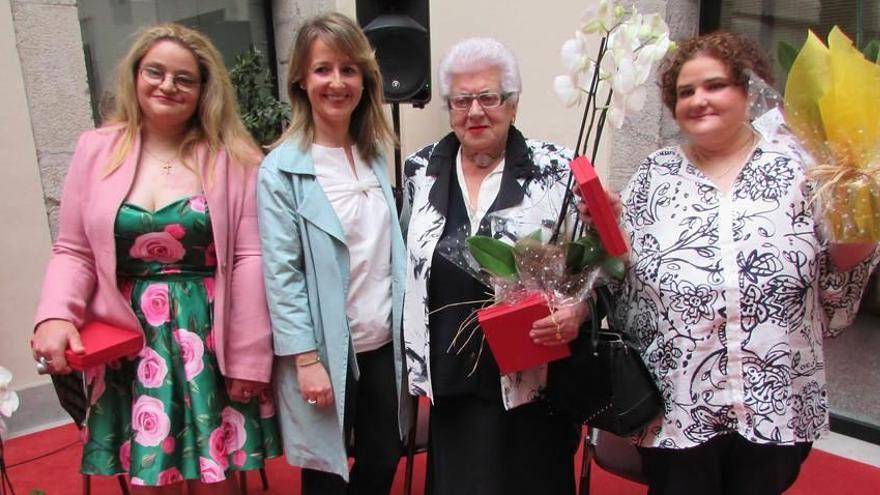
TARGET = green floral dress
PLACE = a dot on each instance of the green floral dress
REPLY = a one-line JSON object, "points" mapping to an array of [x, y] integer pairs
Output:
{"points": [[164, 416]]}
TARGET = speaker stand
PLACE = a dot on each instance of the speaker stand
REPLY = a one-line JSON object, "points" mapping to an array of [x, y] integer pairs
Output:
{"points": [[398, 171]]}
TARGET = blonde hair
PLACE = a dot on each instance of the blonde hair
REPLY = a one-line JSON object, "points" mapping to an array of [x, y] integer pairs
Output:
{"points": [[216, 121], [369, 129]]}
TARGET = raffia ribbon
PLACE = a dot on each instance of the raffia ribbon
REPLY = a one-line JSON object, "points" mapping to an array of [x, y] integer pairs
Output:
{"points": [[832, 195]]}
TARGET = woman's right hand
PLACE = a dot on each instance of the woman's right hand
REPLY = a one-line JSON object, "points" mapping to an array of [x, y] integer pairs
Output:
{"points": [[613, 199], [314, 382], [51, 339]]}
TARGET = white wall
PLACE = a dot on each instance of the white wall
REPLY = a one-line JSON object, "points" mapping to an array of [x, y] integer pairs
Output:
{"points": [[534, 31], [25, 243]]}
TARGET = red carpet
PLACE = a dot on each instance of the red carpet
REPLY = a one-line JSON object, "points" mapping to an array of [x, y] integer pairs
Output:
{"points": [[56, 474]]}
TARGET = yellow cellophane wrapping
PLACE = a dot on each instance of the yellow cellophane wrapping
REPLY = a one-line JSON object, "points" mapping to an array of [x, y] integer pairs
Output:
{"points": [[832, 104]]}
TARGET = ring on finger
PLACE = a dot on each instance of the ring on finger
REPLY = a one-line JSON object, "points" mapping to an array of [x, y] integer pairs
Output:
{"points": [[312, 401], [43, 365]]}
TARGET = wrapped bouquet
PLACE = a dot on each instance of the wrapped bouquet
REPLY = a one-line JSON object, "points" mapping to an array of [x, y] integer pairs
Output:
{"points": [[832, 106]]}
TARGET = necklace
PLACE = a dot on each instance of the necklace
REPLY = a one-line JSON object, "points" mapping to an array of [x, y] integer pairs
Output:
{"points": [[166, 164], [483, 160], [733, 163]]}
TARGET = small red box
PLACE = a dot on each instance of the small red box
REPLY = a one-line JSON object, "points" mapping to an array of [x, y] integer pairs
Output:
{"points": [[104, 343], [507, 328], [600, 208]]}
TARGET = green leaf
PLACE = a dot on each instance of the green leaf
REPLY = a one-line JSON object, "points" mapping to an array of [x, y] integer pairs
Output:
{"points": [[536, 235], [574, 255], [593, 250], [872, 51], [493, 256], [614, 267], [786, 54]]}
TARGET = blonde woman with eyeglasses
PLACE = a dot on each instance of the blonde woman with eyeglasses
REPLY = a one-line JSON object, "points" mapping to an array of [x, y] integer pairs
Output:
{"points": [[158, 234]]}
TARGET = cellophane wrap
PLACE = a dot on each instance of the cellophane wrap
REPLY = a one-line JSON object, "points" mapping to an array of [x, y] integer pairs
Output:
{"points": [[832, 107]]}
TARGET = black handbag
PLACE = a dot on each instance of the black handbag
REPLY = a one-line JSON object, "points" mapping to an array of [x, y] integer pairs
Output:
{"points": [[604, 383]]}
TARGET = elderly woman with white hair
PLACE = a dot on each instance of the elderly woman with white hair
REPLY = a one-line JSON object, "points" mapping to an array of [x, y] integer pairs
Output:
{"points": [[490, 434]]}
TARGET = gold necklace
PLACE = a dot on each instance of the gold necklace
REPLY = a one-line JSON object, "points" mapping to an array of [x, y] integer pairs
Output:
{"points": [[750, 148], [165, 164]]}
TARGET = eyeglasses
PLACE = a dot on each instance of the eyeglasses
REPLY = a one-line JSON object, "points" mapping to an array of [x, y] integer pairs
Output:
{"points": [[156, 76], [486, 100]]}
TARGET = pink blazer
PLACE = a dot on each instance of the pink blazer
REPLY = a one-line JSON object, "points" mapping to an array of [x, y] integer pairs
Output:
{"points": [[80, 282]]}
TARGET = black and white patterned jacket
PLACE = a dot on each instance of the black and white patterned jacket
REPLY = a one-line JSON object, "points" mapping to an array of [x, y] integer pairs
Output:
{"points": [[531, 193]]}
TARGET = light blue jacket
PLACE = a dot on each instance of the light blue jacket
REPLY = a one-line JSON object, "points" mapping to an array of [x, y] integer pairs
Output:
{"points": [[306, 269]]}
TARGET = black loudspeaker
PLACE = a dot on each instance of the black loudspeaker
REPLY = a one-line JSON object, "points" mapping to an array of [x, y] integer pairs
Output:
{"points": [[399, 31]]}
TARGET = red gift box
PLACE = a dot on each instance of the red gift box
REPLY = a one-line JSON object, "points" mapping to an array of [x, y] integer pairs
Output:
{"points": [[600, 208], [103, 343], [507, 327]]}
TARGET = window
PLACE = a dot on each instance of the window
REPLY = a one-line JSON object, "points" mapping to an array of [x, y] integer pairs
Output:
{"points": [[772, 21], [109, 27]]}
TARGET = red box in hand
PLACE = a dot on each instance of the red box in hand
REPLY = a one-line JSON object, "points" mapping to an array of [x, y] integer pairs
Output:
{"points": [[104, 343], [600, 209], [507, 327]]}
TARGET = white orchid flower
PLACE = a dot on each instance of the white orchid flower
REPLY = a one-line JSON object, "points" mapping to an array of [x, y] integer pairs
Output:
{"points": [[626, 103], [566, 90], [656, 26], [574, 53], [9, 401], [570, 88], [601, 17]]}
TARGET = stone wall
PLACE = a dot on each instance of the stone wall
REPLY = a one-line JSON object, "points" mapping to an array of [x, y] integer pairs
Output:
{"points": [[654, 126], [53, 66]]}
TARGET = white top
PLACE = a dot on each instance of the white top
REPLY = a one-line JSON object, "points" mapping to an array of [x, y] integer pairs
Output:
{"points": [[488, 190], [357, 199], [729, 296]]}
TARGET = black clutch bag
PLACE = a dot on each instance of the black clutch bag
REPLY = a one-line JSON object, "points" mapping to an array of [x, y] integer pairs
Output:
{"points": [[604, 383]]}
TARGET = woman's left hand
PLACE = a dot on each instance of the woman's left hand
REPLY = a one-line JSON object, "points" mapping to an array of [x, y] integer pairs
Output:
{"points": [[561, 327], [244, 390]]}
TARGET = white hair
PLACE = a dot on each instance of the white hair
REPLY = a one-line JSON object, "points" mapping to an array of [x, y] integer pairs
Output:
{"points": [[475, 55]]}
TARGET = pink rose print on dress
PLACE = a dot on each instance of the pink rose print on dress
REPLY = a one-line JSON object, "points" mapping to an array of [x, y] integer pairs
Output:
{"points": [[209, 342], [168, 445], [170, 271], [239, 458], [217, 447], [233, 421], [192, 350], [267, 404], [169, 476], [137, 481], [149, 421], [157, 246], [210, 255], [228, 437], [154, 304], [209, 288], [95, 378], [176, 230], [84, 435], [199, 204], [211, 472], [125, 455], [152, 369], [126, 287]]}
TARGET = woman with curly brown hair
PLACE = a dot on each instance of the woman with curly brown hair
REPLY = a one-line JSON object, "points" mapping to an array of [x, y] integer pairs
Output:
{"points": [[731, 286]]}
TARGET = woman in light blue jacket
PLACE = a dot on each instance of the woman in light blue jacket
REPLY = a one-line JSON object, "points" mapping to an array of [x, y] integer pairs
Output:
{"points": [[334, 263]]}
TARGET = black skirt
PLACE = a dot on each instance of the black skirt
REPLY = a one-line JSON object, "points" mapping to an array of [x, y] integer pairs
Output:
{"points": [[478, 448]]}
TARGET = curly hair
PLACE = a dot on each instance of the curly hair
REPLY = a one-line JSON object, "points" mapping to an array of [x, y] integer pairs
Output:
{"points": [[734, 50]]}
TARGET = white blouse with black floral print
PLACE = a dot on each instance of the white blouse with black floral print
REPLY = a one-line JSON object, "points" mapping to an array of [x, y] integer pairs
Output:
{"points": [[729, 296]]}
